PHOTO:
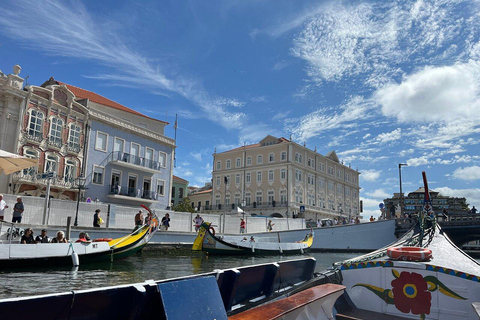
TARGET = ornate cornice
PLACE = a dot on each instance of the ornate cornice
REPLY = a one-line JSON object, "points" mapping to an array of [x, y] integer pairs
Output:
{"points": [[125, 125]]}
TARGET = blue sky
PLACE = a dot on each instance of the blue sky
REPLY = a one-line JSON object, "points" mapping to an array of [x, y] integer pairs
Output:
{"points": [[379, 83]]}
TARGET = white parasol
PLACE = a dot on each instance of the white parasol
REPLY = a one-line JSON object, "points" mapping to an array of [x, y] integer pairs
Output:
{"points": [[10, 162]]}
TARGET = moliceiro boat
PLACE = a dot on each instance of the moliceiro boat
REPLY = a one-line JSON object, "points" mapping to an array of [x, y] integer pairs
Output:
{"points": [[13, 254], [207, 241]]}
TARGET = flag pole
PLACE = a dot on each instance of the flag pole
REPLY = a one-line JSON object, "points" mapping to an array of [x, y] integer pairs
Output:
{"points": [[175, 151]]}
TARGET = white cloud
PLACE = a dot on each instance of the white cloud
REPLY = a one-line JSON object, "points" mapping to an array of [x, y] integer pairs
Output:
{"points": [[313, 124], [79, 35], [467, 173], [378, 194], [472, 195], [428, 95], [368, 135], [370, 175], [390, 136], [420, 161], [196, 155], [280, 65]]}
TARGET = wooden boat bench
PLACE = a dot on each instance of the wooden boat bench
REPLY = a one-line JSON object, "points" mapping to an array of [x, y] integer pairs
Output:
{"points": [[318, 300]]}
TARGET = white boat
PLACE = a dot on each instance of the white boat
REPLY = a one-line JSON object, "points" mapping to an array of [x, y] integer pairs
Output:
{"points": [[230, 245]]}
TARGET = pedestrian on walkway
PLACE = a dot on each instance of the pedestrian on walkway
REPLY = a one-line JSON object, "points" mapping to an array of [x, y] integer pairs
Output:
{"points": [[165, 222], [198, 222], [242, 225], [97, 220], [18, 209], [270, 225], [3, 206]]}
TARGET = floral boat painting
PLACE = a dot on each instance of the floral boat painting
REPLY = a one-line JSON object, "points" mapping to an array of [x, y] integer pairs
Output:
{"points": [[445, 285]]}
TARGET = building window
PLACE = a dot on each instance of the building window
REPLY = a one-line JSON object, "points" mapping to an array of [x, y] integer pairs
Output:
{"points": [[321, 167], [311, 179], [298, 196], [219, 165], [271, 157], [160, 187], [162, 159], [330, 186], [101, 141], [36, 123], [283, 174], [69, 175], [249, 161], [180, 193], [228, 164], [298, 175], [227, 200], [247, 177], [248, 198], [173, 192], [347, 177], [331, 171], [283, 196], [310, 199], [270, 175], [218, 181], [238, 163], [347, 191], [51, 164], [271, 196], [311, 163], [354, 179], [259, 197], [339, 174], [227, 179], [259, 176], [339, 188], [56, 127], [283, 156], [237, 178], [98, 173], [74, 137], [259, 159], [321, 183], [321, 202]]}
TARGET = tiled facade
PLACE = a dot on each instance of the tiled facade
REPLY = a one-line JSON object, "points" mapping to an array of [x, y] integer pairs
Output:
{"points": [[123, 155], [278, 176]]}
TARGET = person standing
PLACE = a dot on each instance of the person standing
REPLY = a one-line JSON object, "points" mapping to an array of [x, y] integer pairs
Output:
{"points": [[97, 219], [270, 225], [474, 210], [166, 222], [18, 209], [242, 225], [3, 206]]}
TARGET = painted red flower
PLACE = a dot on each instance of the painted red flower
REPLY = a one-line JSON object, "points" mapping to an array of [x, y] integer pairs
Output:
{"points": [[410, 294]]}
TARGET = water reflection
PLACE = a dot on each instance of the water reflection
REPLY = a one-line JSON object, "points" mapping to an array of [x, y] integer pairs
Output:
{"points": [[151, 264]]}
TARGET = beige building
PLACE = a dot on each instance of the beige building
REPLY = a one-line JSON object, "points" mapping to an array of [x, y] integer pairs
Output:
{"points": [[282, 178]]}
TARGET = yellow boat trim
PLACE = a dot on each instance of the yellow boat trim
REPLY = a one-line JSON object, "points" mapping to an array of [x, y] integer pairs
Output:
{"points": [[131, 238]]}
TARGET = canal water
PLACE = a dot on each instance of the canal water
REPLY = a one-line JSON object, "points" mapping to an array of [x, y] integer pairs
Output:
{"points": [[152, 263]]}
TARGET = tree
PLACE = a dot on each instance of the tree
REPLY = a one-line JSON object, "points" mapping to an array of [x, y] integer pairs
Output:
{"points": [[184, 206]]}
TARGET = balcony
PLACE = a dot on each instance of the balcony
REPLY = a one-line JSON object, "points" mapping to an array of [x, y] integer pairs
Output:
{"points": [[135, 162], [73, 147], [30, 176], [55, 142], [132, 194], [34, 136]]}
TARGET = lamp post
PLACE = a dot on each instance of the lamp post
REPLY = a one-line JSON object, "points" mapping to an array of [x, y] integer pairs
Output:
{"points": [[81, 184], [401, 193], [244, 203]]}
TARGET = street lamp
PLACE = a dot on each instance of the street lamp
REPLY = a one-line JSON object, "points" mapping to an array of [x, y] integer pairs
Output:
{"points": [[401, 193], [244, 203], [81, 185]]}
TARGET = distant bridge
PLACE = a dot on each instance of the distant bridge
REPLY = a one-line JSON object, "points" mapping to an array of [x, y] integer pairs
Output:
{"points": [[459, 228]]}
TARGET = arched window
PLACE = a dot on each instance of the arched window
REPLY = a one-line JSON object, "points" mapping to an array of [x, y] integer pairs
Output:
{"points": [[51, 163], [74, 138], [56, 127], [70, 170], [35, 124]]}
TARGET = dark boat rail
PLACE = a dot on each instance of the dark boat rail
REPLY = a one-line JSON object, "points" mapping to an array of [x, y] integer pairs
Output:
{"points": [[236, 289]]}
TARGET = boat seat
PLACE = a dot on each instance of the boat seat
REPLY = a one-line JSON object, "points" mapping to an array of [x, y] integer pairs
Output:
{"points": [[191, 299], [312, 301]]}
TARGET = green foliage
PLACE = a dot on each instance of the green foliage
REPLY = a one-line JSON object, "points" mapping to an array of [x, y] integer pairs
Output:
{"points": [[184, 206]]}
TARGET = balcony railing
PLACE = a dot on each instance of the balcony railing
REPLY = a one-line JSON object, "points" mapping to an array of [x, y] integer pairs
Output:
{"points": [[132, 192], [34, 136], [73, 147], [30, 176], [136, 160], [55, 142]]}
